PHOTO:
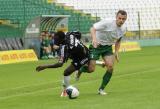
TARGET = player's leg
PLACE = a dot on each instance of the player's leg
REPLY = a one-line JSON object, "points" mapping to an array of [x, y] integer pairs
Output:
{"points": [[66, 79], [109, 62], [68, 71], [44, 53], [89, 68], [50, 55], [93, 56]]}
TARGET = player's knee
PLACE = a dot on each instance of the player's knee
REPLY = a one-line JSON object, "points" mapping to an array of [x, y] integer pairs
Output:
{"points": [[66, 73], [110, 68], [91, 69]]}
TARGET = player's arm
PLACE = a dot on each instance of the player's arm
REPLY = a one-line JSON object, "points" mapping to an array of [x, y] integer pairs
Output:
{"points": [[43, 67], [117, 47], [58, 64], [101, 25], [93, 36], [55, 47]]}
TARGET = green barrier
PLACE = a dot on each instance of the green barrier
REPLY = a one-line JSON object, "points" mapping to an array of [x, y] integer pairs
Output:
{"points": [[149, 42]]}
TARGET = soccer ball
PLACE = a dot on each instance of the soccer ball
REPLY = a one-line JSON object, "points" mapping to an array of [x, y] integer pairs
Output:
{"points": [[72, 92]]}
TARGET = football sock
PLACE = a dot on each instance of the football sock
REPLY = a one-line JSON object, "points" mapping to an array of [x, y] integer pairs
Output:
{"points": [[66, 81], [84, 69], [106, 78]]}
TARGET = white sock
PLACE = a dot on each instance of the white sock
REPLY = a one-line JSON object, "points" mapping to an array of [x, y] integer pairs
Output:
{"points": [[99, 62], [66, 81]]}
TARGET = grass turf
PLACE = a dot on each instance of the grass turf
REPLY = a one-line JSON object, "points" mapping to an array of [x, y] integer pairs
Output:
{"points": [[134, 85]]}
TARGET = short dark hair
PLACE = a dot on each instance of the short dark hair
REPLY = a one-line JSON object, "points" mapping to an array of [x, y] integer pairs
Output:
{"points": [[76, 34], [123, 12], [59, 37]]}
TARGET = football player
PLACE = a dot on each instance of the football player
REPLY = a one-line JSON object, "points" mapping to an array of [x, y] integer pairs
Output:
{"points": [[69, 46]]}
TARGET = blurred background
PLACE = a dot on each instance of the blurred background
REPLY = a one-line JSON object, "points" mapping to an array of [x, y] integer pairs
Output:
{"points": [[30, 24]]}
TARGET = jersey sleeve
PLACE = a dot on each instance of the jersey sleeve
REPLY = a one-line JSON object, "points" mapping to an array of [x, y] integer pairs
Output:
{"points": [[70, 41], [63, 54], [101, 25], [124, 30]]}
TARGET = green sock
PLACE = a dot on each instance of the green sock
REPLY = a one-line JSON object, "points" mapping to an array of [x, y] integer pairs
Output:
{"points": [[84, 69], [106, 78]]}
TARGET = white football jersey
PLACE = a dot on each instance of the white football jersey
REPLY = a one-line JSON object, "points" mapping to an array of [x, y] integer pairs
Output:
{"points": [[107, 32]]}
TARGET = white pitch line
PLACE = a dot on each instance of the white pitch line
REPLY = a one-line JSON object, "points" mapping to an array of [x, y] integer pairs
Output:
{"points": [[43, 90], [130, 74], [27, 93], [34, 85]]}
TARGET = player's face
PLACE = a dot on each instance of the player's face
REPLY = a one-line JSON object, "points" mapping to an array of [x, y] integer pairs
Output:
{"points": [[120, 19]]}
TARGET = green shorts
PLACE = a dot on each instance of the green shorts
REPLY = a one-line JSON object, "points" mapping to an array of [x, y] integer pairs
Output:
{"points": [[101, 50]]}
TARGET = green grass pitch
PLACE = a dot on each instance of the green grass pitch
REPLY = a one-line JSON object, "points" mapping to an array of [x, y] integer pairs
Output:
{"points": [[135, 85]]}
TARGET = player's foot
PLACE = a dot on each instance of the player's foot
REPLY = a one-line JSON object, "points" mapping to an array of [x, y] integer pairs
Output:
{"points": [[44, 57], [101, 92], [101, 63], [77, 75], [50, 56], [64, 93]]}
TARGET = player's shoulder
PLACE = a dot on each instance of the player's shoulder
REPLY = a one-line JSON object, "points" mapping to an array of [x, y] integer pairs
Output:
{"points": [[104, 22], [124, 28], [75, 34], [108, 20], [69, 37]]}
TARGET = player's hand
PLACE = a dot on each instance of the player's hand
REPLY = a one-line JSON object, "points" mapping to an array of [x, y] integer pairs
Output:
{"points": [[39, 68], [116, 56], [95, 43]]}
